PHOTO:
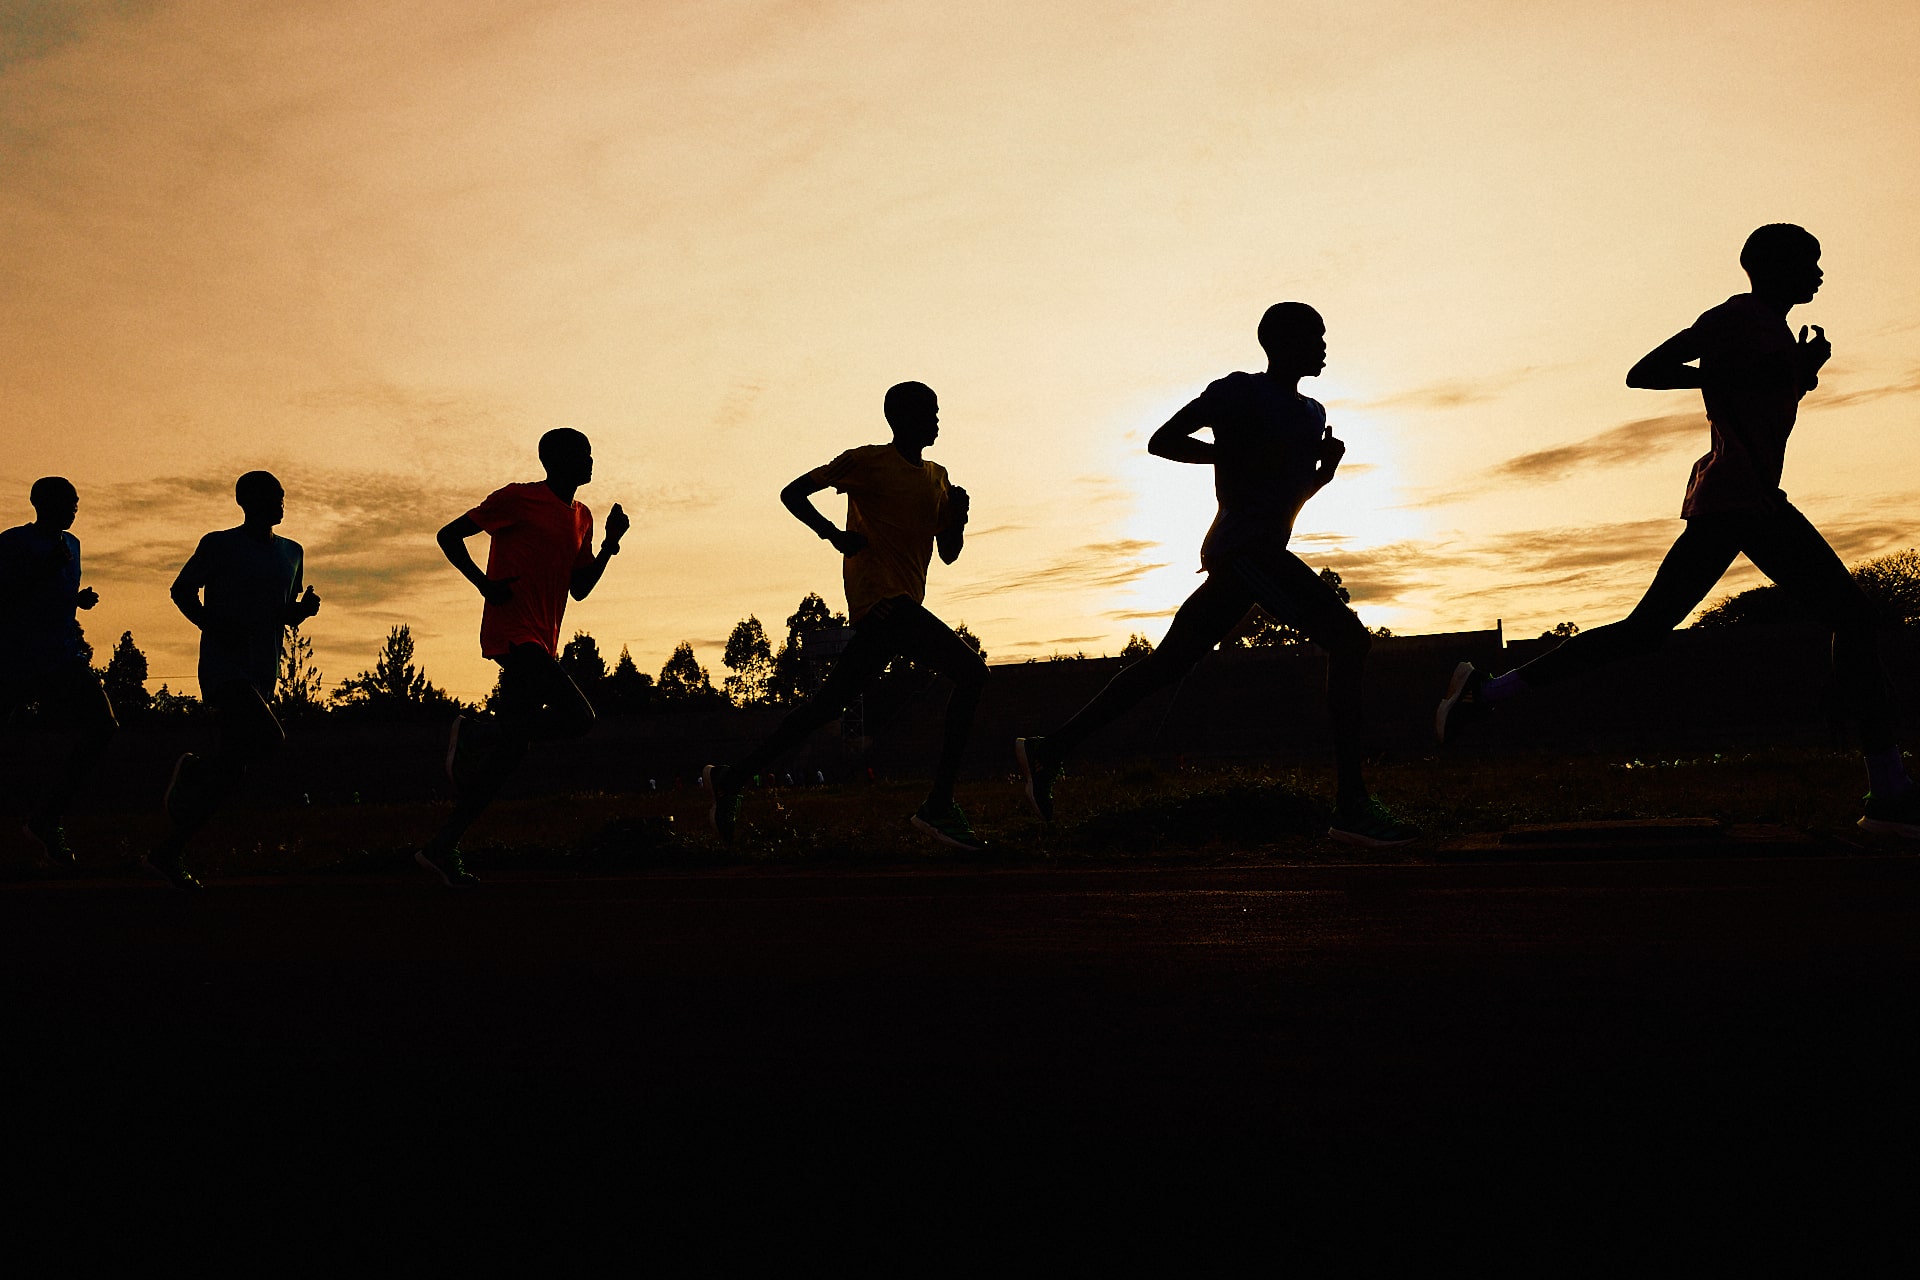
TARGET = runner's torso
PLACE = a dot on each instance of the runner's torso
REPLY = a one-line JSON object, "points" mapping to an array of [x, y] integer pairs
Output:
{"points": [[1752, 382], [1266, 441], [39, 580]]}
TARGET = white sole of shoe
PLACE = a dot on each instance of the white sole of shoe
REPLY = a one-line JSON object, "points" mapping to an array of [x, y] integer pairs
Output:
{"points": [[1882, 827], [1462, 676], [926, 828]]}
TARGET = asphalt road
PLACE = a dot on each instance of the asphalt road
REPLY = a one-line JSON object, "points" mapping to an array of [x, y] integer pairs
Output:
{"points": [[740, 1028]]}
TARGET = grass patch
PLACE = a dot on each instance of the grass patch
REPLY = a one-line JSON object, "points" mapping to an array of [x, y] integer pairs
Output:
{"points": [[1238, 813]]}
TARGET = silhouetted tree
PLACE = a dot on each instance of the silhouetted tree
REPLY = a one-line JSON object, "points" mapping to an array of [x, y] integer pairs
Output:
{"points": [[750, 658], [1561, 631], [168, 705], [970, 640], [683, 681], [1893, 583], [125, 679], [580, 659], [301, 691], [792, 678], [394, 687], [628, 688], [1136, 647]]}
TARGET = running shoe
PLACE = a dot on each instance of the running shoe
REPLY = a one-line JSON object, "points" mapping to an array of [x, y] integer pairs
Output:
{"points": [[723, 800], [448, 865], [1371, 827], [180, 787], [948, 825], [1461, 703], [45, 830], [165, 863], [1039, 772], [1897, 815]]}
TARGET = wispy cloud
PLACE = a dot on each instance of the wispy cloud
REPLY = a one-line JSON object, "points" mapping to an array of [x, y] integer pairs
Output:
{"points": [[1450, 393], [1627, 443], [33, 28], [1909, 385], [368, 535], [1102, 566]]}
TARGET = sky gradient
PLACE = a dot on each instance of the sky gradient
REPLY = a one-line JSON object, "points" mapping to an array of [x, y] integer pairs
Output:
{"points": [[379, 248]]}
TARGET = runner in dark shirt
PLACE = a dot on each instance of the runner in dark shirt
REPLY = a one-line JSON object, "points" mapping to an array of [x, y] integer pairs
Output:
{"points": [[242, 589], [1271, 451], [42, 655], [1752, 373]]}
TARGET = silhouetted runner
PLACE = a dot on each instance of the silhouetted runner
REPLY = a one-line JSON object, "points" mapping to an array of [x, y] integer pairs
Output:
{"points": [[41, 658], [1271, 451], [242, 588], [541, 550], [1752, 374], [899, 506]]}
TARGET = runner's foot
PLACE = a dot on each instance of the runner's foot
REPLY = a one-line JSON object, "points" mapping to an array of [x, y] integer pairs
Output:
{"points": [[1897, 815], [948, 825], [448, 865], [1371, 827], [180, 785], [1040, 771], [1461, 704], [45, 830], [723, 799], [165, 863]]}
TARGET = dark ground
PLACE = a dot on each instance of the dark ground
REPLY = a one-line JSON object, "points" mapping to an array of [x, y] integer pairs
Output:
{"points": [[1654, 1034]]}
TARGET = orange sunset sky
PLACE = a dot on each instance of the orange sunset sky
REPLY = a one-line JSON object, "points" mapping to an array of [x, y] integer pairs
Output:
{"points": [[379, 247]]}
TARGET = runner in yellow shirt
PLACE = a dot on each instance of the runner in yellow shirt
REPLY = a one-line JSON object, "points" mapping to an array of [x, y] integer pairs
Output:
{"points": [[899, 507]]}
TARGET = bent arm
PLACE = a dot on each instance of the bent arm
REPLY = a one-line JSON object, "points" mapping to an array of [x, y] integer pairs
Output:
{"points": [[1174, 440], [953, 539], [453, 545], [1665, 368], [587, 576], [186, 598], [797, 498]]}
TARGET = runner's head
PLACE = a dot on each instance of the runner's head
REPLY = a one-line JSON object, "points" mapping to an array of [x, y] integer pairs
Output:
{"points": [[913, 411], [1783, 261], [55, 501], [1294, 338], [567, 455], [261, 497]]}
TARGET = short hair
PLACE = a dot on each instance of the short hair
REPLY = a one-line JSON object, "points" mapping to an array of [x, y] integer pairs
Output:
{"points": [[562, 441], [1777, 242], [1284, 320], [255, 485], [905, 397], [48, 490]]}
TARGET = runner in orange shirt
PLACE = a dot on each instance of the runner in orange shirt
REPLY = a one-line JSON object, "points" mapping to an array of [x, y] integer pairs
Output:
{"points": [[541, 551]]}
